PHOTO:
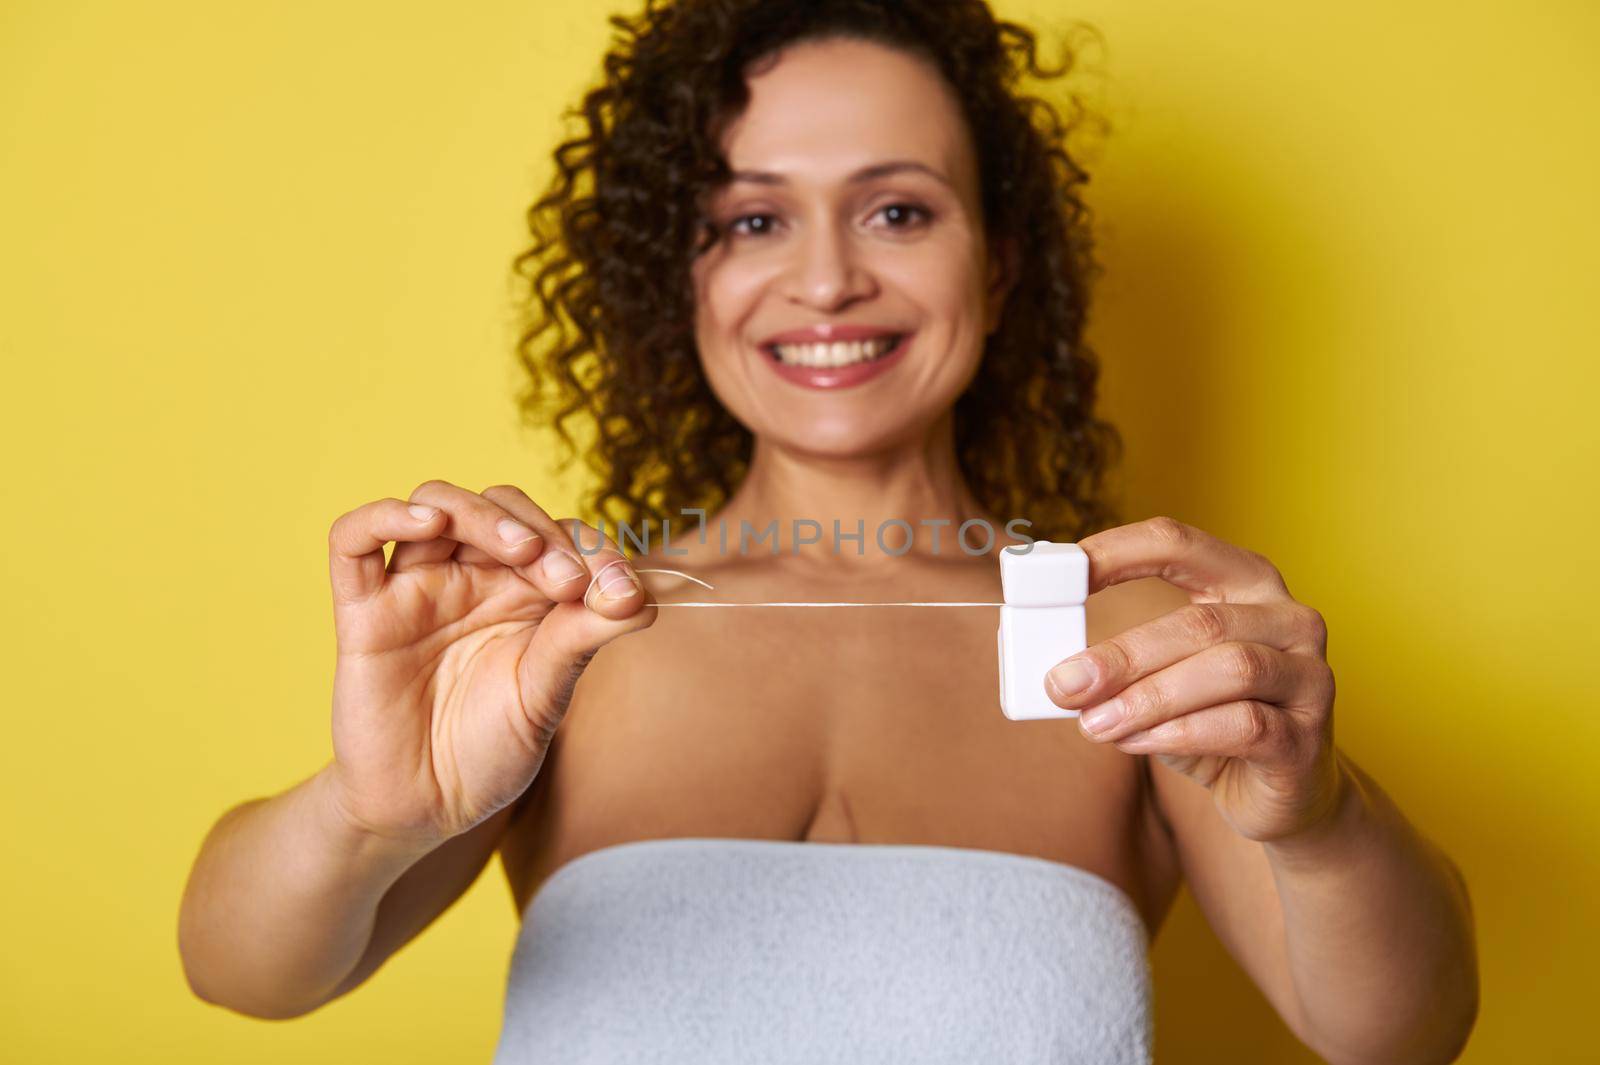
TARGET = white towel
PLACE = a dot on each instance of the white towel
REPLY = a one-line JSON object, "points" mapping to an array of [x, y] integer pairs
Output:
{"points": [[710, 950]]}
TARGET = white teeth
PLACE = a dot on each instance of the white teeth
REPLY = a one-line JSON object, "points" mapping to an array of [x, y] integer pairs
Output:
{"points": [[838, 353]]}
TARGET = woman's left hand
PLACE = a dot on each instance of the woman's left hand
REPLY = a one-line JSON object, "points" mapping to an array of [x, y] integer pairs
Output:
{"points": [[1233, 690]]}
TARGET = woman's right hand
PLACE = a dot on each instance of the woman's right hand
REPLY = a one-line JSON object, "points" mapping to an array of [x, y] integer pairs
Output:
{"points": [[457, 660]]}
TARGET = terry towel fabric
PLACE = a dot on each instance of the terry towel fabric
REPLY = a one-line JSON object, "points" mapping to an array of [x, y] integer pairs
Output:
{"points": [[711, 950]]}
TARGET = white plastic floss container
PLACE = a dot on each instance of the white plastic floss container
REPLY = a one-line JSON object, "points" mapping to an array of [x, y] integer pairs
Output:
{"points": [[1041, 623]]}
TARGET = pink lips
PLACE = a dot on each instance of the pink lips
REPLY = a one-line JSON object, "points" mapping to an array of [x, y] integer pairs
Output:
{"points": [[828, 377]]}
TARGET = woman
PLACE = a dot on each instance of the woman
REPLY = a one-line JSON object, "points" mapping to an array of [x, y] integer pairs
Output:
{"points": [[820, 268]]}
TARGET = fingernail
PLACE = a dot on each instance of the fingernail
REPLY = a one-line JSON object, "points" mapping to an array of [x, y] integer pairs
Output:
{"points": [[617, 581], [514, 532], [421, 512], [561, 567], [1102, 717], [1070, 677]]}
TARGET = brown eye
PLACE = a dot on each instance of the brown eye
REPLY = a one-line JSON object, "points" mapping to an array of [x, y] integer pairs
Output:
{"points": [[752, 225], [903, 215]]}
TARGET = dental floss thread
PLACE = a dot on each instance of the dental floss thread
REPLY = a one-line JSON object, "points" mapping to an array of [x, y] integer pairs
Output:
{"points": [[1041, 620], [703, 584]]}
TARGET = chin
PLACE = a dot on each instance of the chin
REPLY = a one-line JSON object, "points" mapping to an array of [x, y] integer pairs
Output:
{"points": [[844, 436]]}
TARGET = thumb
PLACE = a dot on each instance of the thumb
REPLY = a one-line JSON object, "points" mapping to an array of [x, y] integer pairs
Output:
{"points": [[561, 649]]}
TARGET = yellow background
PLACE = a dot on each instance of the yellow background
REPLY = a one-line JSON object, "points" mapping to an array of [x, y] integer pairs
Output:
{"points": [[255, 272]]}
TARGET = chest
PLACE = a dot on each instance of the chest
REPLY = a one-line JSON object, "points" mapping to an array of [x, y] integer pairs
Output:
{"points": [[873, 725]]}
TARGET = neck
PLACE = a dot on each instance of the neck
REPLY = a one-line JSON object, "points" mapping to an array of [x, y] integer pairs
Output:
{"points": [[915, 484]]}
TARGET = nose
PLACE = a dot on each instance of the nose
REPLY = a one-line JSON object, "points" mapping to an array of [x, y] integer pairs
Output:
{"points": [[826, 272]]}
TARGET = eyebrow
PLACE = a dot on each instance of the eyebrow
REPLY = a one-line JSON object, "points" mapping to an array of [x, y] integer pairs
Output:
{"points": [[866, 173]]}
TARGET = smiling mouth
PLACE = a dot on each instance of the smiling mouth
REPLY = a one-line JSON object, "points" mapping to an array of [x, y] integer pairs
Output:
{"points": [[834, 354]]}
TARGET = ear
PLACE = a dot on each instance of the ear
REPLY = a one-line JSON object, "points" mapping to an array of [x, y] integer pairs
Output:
{"points": [[1005, 263]]}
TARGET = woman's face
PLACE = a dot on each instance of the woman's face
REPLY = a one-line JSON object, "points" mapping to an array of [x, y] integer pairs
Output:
{"points": [[846, 304]]}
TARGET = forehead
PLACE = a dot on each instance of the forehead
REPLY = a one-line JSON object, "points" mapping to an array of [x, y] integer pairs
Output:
{"points": [[823, 109]]}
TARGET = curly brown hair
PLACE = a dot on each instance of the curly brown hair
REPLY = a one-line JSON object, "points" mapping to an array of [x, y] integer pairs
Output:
{"points": [[608, 335]]}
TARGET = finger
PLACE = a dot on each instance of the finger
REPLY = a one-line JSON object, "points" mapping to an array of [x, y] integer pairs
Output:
{"points": [[561, 650], [1220, 674], [614, 589], [1105, 668], [562, 571], [453, 540], [471, 519], [515, 502], [1184, 556], [356, 539], [1249, 729], [613, 604]]}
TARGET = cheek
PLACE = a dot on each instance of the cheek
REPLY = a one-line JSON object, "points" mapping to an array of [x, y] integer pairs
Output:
{"points": [[726, 293], [947, 286]]}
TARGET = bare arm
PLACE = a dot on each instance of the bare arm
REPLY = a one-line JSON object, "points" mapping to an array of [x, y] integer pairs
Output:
{"points": [[456, 659], [1356, 927], [1359, 931], [289, 906]]}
